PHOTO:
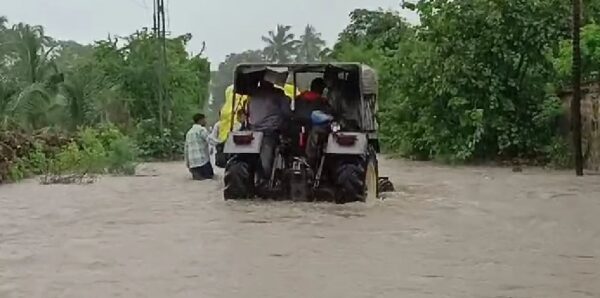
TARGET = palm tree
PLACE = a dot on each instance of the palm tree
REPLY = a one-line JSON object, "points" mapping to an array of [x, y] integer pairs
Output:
{"points": [[36, 108], [4, 35], [281, 45], [32, 48], [90, 97], [311, 45], [38, 103]]}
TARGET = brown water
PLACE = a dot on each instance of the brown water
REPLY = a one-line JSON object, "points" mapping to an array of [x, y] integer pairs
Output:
{"points": [[448, 232]]}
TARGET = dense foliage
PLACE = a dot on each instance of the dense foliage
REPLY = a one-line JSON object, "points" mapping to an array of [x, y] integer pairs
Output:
{"points": [[52, 154], [474, 80], [71, 88], [590, 51]]}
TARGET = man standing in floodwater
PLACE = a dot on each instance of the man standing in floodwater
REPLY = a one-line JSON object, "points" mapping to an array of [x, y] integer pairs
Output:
{"points": [[196, 150]]}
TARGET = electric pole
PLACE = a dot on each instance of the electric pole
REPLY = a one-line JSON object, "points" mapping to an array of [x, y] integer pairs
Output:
{"points": [[160, 36], [163, 39], [576, 101]]}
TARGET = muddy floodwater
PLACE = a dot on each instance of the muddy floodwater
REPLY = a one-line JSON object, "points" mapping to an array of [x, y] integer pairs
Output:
{"points": [[447, 232]]}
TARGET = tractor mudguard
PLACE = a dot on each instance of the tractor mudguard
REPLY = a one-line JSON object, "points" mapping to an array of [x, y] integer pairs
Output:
{"points": [[243, 142], [347, 143]]}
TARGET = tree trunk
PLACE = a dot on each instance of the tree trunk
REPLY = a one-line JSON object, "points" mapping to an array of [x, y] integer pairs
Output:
{"points": [[576, 102]]}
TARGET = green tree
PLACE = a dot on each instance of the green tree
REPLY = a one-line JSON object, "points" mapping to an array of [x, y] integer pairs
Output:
{"points": [[92, 98], [475, 83], [281, 45], [590, 52], [68, 53], [374, 37], [37, 103], [4, 34], [134, 66], [32, 48], [310, 46], [591, 11], [378, 31]]}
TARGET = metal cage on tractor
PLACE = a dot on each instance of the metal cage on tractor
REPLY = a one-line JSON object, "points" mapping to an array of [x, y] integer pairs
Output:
{"points": [[347, 168]]}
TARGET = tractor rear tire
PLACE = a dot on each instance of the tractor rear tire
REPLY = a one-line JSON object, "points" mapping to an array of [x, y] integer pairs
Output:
{"points": [[239, 181], [350, 182]]}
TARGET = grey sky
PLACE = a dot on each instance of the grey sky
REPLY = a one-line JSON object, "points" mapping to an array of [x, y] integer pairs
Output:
{"points": [[226, 25]]}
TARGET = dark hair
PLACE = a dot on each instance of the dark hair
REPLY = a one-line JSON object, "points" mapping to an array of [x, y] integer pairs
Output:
{"points": [[198, 117], [318, 85]]}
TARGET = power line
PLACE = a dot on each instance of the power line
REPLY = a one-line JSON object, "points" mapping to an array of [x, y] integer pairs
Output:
{"points": [[141, 4]]}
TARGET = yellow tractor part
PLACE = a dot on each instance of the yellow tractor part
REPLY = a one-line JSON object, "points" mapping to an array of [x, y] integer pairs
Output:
{"points": [[240, 104]]}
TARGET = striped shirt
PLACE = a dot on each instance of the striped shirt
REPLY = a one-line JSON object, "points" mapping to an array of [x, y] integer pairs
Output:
{"points": [[196, 149]]}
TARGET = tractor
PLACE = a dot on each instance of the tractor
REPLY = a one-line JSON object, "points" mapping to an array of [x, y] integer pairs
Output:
{"points": [[344, 166]]}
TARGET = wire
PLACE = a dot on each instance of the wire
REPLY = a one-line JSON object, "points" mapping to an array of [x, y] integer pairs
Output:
{"points": [[141, 4]]}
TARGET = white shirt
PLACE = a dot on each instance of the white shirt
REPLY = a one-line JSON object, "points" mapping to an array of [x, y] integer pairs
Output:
{"points": [[215, 130], [237, 126]]}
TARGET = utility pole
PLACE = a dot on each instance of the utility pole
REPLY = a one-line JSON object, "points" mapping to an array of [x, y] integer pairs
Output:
{"points": [[165, 69], [576, 101], [154, 18], [160, 36]]}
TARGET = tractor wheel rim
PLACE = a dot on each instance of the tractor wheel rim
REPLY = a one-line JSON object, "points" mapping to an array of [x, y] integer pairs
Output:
{"points": [[371, 183]]}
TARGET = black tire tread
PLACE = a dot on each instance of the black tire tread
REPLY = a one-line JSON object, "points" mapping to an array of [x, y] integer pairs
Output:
{"points": [[350, 181], [238, 181]]}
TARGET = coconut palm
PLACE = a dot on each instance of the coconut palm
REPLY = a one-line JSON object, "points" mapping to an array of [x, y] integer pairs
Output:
{"points": [[32, 49], [310, 46], [91, 97], [4, 36], [38, 102], [281, 44]]}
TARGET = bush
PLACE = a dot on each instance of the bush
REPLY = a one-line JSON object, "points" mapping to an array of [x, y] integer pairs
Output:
{"points": [[559, 154], [106, 150], [68, 160], [38, 161], [18, 170], [92, 151], [156, 144], [122, 157]]}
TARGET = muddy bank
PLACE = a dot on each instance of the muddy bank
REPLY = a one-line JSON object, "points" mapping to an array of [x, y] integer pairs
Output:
{"points": [[447, 232]]}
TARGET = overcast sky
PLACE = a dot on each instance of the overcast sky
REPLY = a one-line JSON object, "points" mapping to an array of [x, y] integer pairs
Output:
{"points": [[227, 26]]}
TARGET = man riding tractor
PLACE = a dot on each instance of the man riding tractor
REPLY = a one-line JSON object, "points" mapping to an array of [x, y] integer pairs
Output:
{"points": [[271, 158]]}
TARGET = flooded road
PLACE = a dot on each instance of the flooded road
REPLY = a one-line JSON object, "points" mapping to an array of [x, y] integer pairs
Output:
{"points": [[447, 232]]}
